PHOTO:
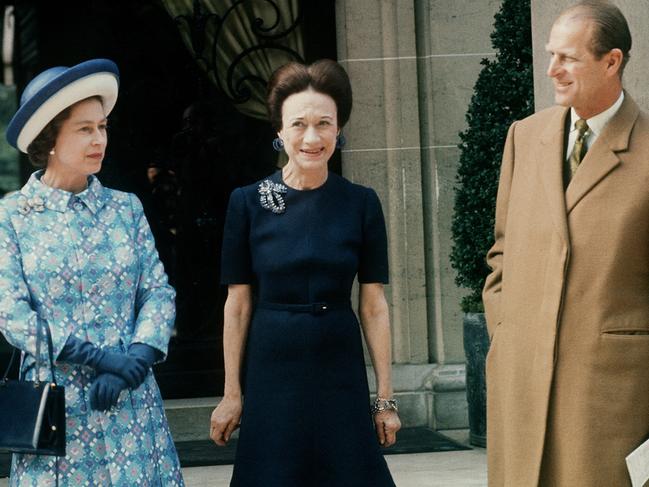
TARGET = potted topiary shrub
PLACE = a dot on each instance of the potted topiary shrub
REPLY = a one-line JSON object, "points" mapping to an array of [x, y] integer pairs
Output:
{"points": [[502, 94]]}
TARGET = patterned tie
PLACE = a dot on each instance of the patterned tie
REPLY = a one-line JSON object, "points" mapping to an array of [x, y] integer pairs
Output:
{"points": [[579, 150]]}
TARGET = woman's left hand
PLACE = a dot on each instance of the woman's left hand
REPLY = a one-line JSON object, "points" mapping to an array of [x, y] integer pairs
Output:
{"points": [[225, 419], [387, 423]]}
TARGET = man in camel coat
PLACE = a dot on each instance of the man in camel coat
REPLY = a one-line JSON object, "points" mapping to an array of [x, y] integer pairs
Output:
{"points": [[567, 303]]}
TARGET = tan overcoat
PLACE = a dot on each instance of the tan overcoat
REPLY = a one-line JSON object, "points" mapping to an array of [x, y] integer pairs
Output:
{"points": [[567, 306]]}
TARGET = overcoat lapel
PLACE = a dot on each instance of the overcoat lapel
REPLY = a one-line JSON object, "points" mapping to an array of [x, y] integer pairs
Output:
{"points": [[550, 164], [602, 158]]}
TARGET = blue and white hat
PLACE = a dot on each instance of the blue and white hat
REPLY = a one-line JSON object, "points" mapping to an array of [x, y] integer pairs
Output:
{"points": [[54, 90]]}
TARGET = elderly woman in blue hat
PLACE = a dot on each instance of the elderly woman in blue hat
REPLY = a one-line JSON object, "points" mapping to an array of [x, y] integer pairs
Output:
{"points": [[79, 259]]}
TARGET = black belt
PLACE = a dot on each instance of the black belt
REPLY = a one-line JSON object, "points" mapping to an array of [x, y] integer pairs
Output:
{"points": [[313, 308]]}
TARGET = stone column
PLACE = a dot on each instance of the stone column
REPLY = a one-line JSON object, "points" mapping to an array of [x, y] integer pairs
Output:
{"points": [[376, 45], [452, 39], [544, 13], [413, 64]]}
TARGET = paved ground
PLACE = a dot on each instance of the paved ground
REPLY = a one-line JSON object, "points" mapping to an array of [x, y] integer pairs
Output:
{"points": [[447, 469]]}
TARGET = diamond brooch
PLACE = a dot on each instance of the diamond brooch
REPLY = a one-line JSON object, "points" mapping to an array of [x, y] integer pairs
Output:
{"points": [[270, 196], [25, 205]]}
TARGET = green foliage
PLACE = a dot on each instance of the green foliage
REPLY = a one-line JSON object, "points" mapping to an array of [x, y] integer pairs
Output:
{"points": [[502, 94]]}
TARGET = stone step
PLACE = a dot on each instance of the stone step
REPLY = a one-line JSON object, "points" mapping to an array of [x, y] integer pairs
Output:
{"points": [[429, 395], [189, 419]]}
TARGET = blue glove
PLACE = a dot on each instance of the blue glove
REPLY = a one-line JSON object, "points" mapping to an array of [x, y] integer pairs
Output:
{"points": [[146, 354], [105, 391], [132, 369]]}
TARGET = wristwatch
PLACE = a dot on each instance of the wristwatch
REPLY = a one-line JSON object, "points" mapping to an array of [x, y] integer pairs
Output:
{"points": [[381, 404]]}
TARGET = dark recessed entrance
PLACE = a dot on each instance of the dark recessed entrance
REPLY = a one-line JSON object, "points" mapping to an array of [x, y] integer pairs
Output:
{"points": [[176, 141]]}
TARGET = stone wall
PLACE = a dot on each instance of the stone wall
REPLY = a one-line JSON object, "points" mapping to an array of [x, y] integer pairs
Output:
{"points": [[413, 64], [376, 44], [452, 39]]}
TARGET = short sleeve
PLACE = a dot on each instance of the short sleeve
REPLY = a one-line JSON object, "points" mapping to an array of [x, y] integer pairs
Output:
{"points": [[236, 263], [374, 248]]}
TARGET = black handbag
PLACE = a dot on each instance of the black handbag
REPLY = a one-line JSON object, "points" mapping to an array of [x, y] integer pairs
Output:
{"points": [[32, 413]]}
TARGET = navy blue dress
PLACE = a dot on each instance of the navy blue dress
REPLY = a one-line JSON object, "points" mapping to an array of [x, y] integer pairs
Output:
{"points": [[306, 419]]}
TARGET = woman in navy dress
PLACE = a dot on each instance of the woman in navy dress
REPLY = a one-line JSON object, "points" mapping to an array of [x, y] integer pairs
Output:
{"points": [[294, 371]]}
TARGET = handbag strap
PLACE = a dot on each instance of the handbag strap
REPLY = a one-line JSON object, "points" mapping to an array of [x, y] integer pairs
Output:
{"points": [[50, 354], [11, 362], [38, 350]]}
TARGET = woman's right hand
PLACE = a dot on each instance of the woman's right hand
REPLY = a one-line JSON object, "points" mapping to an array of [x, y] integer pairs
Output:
{"points": [[226, 418], [131, 368]]}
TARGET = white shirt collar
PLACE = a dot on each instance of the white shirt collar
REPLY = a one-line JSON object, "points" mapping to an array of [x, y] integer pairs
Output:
{"points": [[596, 124]]}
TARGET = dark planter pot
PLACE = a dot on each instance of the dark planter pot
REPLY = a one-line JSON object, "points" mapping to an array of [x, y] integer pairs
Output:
{"points": [[476, 346]]}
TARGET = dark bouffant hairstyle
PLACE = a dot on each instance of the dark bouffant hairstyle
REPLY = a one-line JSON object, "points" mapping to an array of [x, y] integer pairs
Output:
{"points": [[39, 150], [324, 76]]}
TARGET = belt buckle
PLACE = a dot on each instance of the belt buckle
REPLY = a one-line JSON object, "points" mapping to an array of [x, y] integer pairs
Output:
{"points": [[319, 308]]}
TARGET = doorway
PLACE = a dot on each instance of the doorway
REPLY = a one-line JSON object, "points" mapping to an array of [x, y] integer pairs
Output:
{"points": [[177, 142]]}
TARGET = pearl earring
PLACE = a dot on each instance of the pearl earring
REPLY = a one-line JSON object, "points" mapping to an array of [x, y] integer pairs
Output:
{"points": [[52, 152]]}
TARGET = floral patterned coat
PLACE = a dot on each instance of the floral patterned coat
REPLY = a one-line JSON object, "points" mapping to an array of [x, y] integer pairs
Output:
{"points": [[86, 265]]}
